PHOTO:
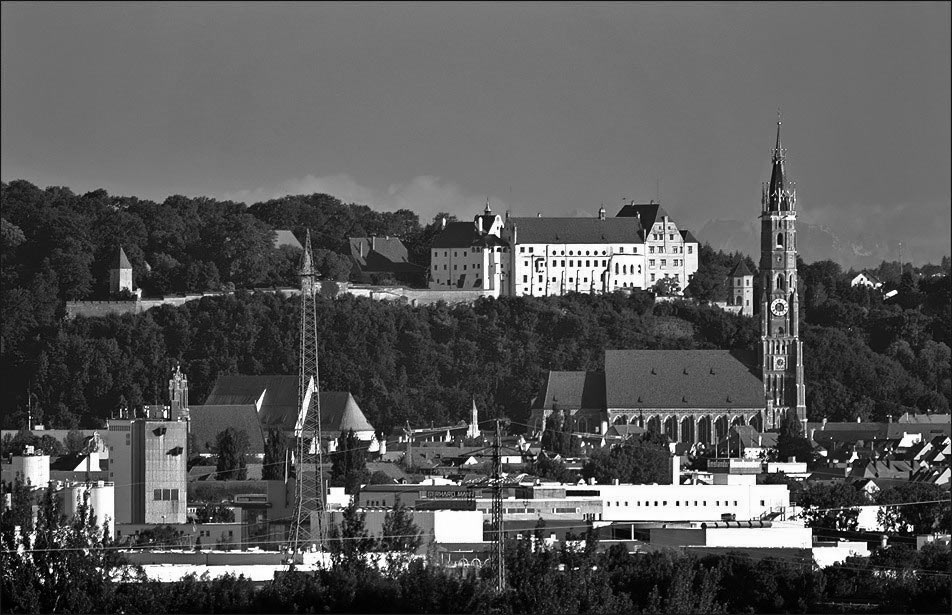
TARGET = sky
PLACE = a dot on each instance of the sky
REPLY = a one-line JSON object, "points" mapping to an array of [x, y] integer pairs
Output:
{"points": [[552, 108]]}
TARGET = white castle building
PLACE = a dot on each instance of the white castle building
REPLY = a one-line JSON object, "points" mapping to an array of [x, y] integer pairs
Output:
{"points": [[636, 249]]}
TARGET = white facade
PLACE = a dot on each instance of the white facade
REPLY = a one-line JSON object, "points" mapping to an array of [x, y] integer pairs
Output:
{"points": [[689, 502], [451, 526], [554, 256]]}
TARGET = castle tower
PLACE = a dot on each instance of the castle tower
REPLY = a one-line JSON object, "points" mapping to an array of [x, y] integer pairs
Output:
{"points": [[120, 275], [741, 288], [178, 395], [782, 350]]}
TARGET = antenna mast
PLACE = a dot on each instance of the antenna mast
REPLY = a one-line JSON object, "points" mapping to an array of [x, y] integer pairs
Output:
{"points": [[309, 488], [498, 554]]}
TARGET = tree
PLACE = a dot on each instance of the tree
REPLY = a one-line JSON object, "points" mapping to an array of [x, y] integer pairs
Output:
{"points": [[831, 507], [401, 536], [349, 541], [63, 565], [275, 456], [214, 513], [791, 442], [910, 517], [666, 287], [231, 446], [349, 463], [645, 460]]}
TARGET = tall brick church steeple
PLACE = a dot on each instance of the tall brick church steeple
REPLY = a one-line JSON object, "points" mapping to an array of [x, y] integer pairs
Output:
{"points": [[782, 350]]}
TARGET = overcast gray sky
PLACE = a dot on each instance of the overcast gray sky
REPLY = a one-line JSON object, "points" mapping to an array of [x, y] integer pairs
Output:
{"points": [[551, 108]]}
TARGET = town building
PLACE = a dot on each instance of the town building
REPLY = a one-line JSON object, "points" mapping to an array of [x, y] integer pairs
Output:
{"points": [[377, 258], [147, 463], [274, 400], [741, 290], [519, 256], [865, 278]]}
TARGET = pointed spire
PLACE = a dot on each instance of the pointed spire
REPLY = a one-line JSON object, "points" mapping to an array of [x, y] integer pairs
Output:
{"points": [[778, 150], [488, 208], [779, 196]]}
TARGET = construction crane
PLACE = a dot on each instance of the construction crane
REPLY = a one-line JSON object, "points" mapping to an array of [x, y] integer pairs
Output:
{"points": [[309, 496]]}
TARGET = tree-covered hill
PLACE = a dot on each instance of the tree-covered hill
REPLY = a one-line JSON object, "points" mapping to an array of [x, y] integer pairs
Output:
{"points": [[864, 356]]}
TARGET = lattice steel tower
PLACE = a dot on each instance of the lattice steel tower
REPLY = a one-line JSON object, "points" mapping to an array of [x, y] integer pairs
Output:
{"points": [[309, 490]]}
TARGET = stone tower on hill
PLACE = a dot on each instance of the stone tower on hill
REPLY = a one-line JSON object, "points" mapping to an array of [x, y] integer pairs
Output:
{"points": [[120, 274], [741, 283]]}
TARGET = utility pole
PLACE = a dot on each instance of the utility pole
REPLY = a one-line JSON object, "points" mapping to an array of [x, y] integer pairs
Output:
{"points": [[498, 554], [309, 489]]}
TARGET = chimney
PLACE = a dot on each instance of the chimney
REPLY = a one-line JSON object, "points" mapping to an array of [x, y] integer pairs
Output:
{"points": [[383, 446], [373, 242], [601, 212], [479, 224], [443, 223]]}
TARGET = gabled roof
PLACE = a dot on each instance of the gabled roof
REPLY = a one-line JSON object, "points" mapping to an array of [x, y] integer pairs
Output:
{"points": [[456, 235], [207, 421], [381, 254], [286, 238], [572, 390], [122, 261], [935, 419], [576, 230], [648, 213], [688, 237], [279, 402], [278, 396], [681, 379]]}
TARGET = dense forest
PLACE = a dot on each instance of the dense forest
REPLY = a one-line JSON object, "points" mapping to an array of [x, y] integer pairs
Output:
{"points": [[864, 357]]}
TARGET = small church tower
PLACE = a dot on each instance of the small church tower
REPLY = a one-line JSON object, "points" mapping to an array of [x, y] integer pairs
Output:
{"points": [[120, 274], [741, 282], [178, 395]]}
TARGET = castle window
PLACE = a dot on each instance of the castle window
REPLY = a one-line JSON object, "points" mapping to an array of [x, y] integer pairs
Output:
{"points": [[779, 240], [690, 249], [650, 249], [522, 249], [616, 269], [780, 282]]}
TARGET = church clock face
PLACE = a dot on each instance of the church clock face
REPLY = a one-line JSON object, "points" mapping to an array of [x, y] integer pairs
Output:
{"points": [[780, 363], [778, 307]]}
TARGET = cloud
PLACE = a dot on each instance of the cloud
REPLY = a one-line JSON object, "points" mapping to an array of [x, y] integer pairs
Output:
{"points": [[425, 195]]}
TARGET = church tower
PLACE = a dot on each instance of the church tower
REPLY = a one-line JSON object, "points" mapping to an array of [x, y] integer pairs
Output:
{"points": [[782, 350]]}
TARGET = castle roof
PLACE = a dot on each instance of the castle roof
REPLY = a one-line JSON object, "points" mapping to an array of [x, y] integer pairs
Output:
{"points": [[681, 379], [648, 213], [577, 230], [381, 254]]}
